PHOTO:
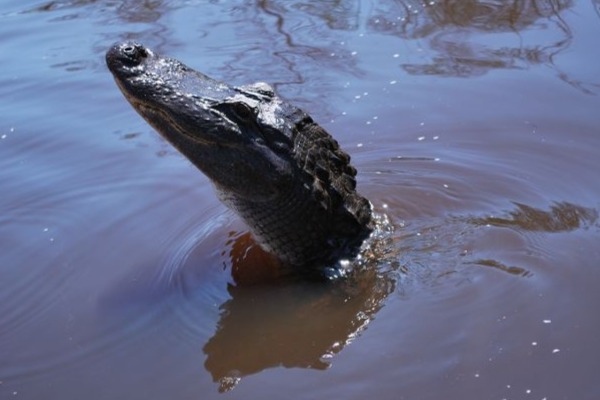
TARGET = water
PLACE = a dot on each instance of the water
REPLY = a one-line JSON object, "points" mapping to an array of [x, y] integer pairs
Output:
{"points": [[474, 126]]}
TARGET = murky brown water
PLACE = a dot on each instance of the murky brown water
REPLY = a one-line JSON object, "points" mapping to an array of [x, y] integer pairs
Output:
{"points": [[474, 126]]}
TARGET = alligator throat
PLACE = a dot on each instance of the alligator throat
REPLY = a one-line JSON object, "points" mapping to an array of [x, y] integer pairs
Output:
{"points": [[269, 161]]}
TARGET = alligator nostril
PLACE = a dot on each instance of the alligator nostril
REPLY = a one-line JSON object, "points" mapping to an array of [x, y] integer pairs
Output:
{"points": [[132, 53], [129, 50]]}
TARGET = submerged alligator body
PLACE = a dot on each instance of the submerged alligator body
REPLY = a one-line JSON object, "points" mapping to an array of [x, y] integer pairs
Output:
{"points": [[268, 160]]}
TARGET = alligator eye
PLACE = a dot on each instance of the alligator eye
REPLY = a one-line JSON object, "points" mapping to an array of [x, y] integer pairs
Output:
{"points": [[243, 111]]}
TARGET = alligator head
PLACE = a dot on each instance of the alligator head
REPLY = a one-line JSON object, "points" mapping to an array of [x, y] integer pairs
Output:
{"points": [[269, 161]]}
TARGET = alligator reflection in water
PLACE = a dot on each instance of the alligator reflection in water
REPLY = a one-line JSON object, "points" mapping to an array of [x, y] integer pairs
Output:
{"points": [[285, 322]]}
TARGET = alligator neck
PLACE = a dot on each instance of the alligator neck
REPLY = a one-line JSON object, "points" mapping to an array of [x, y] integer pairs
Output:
{"points": [[297, 228]]}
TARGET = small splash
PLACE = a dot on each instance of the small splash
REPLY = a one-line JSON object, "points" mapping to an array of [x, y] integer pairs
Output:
{"points": [[228, 383], [378, 246]]}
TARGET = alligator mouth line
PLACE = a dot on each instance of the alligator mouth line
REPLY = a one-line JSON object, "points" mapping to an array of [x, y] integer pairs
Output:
{"points": [[146, 109], [149, 110]]}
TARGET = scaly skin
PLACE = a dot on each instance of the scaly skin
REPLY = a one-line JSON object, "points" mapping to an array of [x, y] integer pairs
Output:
{"points": [[269, 161]]}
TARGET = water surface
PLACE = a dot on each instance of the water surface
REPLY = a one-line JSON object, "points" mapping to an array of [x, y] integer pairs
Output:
{"points": [[474, 126]]}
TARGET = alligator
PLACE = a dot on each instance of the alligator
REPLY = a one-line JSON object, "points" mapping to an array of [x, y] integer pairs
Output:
{"points": [[286, 177]]}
